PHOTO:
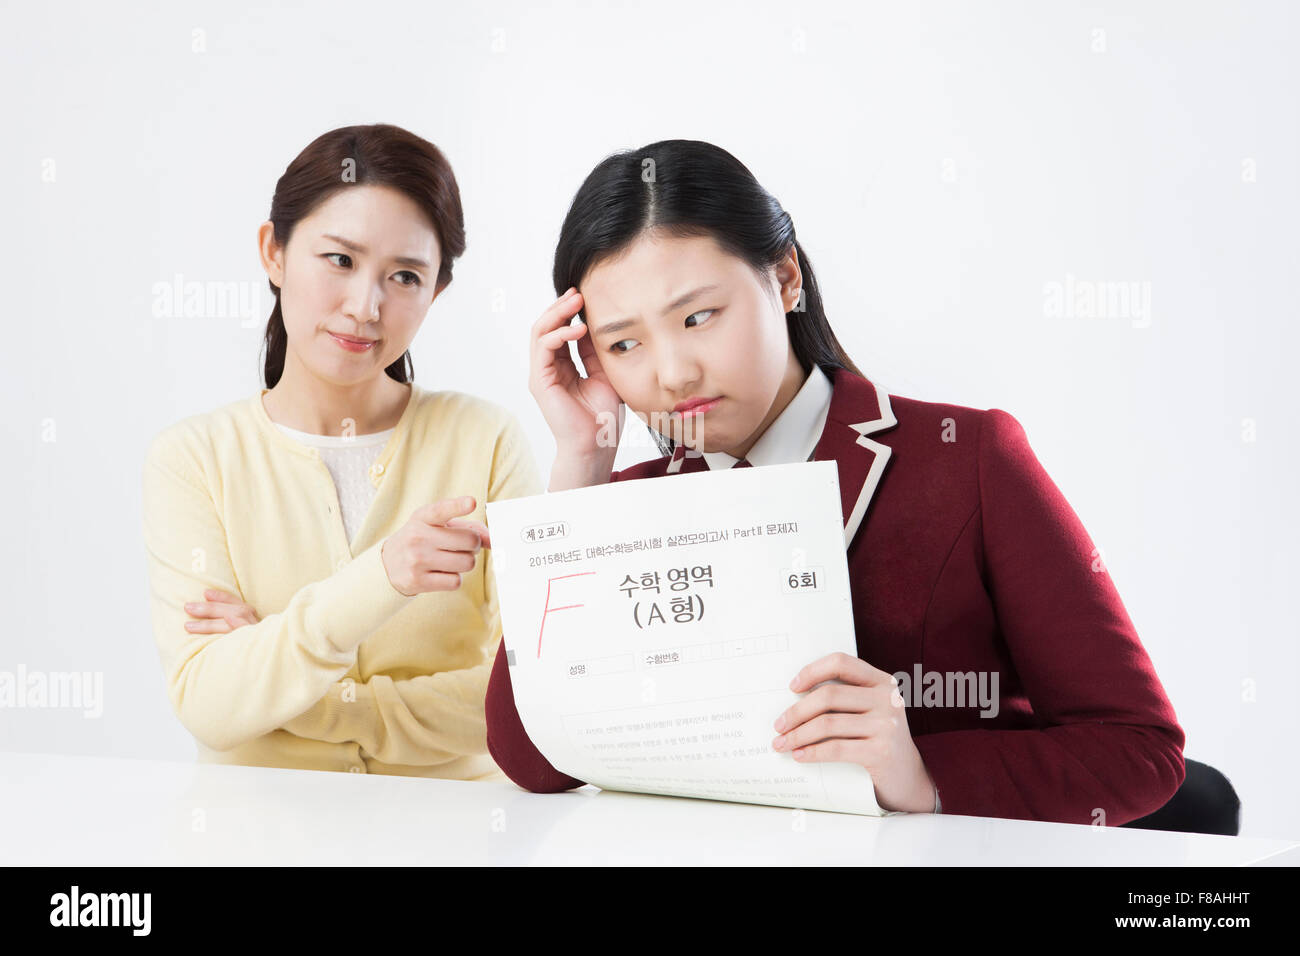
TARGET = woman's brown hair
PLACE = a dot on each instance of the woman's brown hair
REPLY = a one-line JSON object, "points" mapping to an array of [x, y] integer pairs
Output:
{"points": [[376, 155]]}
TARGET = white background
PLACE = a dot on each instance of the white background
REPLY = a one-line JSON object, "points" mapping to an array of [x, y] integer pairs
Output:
{"points": [[943, 163]]}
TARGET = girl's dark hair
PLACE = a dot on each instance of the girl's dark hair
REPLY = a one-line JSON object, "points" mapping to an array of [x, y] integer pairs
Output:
{"points": [[376, 155], [685, 187]]}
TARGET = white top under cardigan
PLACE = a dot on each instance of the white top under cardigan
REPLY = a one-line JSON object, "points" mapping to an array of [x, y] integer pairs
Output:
{"points": [[348, 458]]}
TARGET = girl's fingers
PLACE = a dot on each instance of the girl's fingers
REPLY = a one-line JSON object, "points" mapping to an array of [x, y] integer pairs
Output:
{"points": [[549, 342], [842, 667], [832, 698], [590, 358], [553, 353], [831, 727], [558, 313], [838, 750], [558, 337], [550, 363]]}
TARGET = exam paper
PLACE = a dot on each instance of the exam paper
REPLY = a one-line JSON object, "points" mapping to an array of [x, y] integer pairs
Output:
{"points": [[653, 627]]}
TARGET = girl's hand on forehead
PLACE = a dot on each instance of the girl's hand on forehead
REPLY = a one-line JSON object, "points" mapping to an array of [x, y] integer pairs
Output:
{"points": [[582, 412]]}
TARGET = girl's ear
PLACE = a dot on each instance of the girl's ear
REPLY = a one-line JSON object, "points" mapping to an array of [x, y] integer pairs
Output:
{"points": [[271, 253], [789, 279]]}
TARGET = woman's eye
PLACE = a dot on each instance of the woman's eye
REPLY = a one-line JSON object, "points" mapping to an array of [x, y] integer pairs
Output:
{"points": [[413, 281], [707, 312], [615, 346]]}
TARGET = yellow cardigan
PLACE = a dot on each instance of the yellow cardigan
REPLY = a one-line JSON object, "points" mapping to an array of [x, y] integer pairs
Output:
{"points": [[342, 672]]}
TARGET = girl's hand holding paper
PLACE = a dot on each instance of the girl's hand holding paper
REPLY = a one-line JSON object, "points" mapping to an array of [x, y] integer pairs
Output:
{"points": [[856, 716]]}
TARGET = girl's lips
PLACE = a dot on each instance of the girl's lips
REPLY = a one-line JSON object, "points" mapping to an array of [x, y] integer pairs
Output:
{"points": [[352, 346], [701, 408]]}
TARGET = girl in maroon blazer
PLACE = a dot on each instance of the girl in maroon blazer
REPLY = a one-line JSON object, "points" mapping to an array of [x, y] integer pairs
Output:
{"points": [[998, 673]]}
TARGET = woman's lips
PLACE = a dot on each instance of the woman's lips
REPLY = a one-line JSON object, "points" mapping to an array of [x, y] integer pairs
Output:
{"points": [[350, 345]]}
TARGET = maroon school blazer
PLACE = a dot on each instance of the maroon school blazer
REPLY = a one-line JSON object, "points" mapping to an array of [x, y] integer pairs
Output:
{"points": [[964, 556]]}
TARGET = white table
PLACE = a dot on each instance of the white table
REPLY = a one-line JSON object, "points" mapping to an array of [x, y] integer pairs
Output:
{"points": [[63, 810]]}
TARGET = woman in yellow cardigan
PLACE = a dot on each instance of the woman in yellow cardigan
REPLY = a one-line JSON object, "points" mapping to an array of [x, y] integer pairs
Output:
{"points": [[320, 580]]}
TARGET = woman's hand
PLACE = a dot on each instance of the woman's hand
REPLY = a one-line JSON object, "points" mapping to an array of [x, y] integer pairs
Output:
{"points": [[583, 413], [858, 719], [221, 613], [434, 548]]}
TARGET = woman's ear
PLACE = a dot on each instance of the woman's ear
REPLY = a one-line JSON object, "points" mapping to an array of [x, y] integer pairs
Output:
{"points": [[271, 253]]}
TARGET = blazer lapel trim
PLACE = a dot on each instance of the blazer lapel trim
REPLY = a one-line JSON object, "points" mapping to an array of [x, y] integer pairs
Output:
{"points": [[680, 454], [840, 441], [859, 471]]}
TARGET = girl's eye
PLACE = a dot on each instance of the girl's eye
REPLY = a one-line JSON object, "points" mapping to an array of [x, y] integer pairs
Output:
{"points": [[615, 346], [415, 277], [707, 312], [342, 255]]}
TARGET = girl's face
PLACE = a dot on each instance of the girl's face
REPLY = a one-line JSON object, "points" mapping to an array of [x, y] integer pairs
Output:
{"points": [[361, 266], [675, 320]]}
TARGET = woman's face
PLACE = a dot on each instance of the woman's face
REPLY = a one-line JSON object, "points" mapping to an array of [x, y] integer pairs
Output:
{"points": [[677, 319], [361, 266]]}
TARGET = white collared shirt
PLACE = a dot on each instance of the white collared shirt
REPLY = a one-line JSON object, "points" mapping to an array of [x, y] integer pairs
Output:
{"points": [[793, 436]]}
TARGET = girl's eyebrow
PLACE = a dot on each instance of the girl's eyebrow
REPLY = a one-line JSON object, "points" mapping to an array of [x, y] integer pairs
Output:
{"points": [[677, 303], [614, 326], [357, 247]]}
